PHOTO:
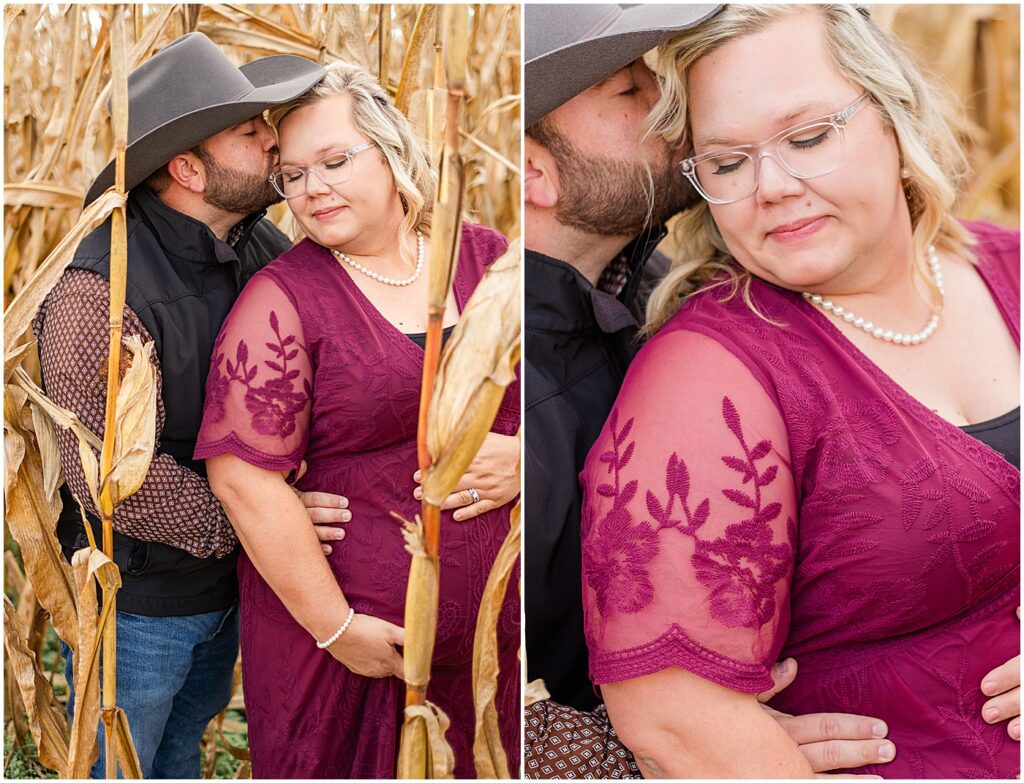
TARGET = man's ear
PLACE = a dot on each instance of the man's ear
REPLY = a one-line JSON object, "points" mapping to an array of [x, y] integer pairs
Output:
{"points": [[188, 171], [540, 185]]}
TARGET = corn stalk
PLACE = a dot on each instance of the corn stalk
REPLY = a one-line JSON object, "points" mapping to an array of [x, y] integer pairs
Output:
{"points": [[112, 721], [419, 757]]}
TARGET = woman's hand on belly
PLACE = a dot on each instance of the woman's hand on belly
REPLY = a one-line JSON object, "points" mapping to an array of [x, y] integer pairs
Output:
{"points": [[493, 474], [368, 647], [1003, 685]]}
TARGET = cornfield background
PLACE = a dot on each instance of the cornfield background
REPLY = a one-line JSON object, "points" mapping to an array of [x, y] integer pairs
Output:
{"points": [[58, 135], [975, 51]]}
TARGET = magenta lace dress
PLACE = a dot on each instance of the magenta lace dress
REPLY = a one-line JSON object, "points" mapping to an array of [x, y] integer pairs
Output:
{"points": [[306, 368], [761, 492]]}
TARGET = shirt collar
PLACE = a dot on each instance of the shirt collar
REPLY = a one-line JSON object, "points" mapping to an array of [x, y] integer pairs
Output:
{"points": [[185, 237]]}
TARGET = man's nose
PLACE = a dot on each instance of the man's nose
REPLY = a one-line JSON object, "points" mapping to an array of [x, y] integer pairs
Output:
{"points": [[267, 137], [774, 182]]}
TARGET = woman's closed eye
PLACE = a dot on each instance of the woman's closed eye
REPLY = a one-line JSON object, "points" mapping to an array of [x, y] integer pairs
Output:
{"points": [[728, 165], [335, 162], [292, 175], [809, 139]]}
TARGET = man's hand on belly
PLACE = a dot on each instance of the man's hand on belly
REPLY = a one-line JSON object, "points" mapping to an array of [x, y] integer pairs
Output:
{"points": [[1003, 685]]}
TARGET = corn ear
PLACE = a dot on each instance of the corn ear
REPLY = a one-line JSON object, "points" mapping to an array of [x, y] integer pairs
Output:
{"points": [[478, 363]]}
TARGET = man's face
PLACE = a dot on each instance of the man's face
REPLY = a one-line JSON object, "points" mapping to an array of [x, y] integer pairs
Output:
{"points": [[238, 163], [598, 146]]}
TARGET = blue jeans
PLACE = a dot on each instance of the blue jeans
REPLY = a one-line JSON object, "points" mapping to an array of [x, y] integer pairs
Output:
{"points": [[174, 674]]}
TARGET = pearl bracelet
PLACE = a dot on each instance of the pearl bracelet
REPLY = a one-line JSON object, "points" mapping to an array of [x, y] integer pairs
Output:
{"points": [[337, 634]]}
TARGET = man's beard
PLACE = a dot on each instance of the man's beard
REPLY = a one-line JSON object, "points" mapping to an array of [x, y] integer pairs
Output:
{"points": [[613, 197], [237, 191]]}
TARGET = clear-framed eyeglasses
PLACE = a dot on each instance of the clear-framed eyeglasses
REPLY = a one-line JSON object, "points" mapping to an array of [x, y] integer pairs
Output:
{"points": [[334, 169], [810, 149]]}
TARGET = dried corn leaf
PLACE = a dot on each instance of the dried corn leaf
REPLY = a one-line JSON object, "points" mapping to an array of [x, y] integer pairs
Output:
{"points": [[478, 363], [14, 445], [244, 771], [488, 752], [13, 359], [408, 81], [14, 578], [32, 519], [38, 194], [20, 312], [90, 567], [46, 437], [127, 756], [46, 718], [135, 436], [62, 417]]}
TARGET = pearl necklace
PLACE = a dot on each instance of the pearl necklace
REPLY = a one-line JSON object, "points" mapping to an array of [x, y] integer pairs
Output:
{"points": [[887, 334], [379, 277]]}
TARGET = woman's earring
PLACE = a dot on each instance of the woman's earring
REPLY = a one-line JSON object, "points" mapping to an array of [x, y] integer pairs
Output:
{"points": [[905, 173]]}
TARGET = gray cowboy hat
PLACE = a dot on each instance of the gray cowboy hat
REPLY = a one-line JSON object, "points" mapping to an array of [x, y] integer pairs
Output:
{"points": [[572, 47], [189, 91]]}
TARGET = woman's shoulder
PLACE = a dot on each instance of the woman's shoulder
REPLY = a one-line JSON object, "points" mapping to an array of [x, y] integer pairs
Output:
{"points": [[482, 243], [997, 249], [293, 266]]}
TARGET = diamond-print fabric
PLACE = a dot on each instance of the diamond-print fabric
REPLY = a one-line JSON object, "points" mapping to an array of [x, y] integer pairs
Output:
{"points": [[562, 742], [174, 506]]}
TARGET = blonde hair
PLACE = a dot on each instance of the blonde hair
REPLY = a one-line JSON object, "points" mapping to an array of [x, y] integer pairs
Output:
{"points": [[376, 117], [870, 58]]}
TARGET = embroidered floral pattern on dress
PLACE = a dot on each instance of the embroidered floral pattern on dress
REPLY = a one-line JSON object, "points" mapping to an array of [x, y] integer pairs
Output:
{"points": [[740, 569], [275, 404]]}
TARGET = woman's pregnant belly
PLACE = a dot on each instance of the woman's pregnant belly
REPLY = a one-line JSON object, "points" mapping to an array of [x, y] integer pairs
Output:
{"points": [[926, 686]]}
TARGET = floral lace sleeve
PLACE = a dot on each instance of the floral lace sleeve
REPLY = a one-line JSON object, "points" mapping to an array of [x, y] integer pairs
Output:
{"points": [[688, 521], [259, 391]]}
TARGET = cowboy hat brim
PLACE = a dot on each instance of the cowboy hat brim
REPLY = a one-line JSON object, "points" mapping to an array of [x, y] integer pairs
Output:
{"points": [[276, 79], [558, 76]]}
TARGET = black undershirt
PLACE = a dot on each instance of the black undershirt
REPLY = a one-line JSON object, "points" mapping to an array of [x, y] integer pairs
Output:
{"points": [[1001, 434], [421, 338]]}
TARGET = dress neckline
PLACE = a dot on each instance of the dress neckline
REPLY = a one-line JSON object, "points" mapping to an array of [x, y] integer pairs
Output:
{"points": [[998, 467], [397, 335]]}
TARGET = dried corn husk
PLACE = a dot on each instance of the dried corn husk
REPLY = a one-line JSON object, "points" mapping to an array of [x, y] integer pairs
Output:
{"points": [[420, 609], [488, 752], [478, 363], [425, 753], [135, 436], [534, 692]]}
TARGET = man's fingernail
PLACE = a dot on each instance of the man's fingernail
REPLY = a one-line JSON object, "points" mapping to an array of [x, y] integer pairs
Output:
{"points": [[887, 751], [879, 729], [991, 713], [346, 516], [339, 534], [1015, 731], [343, 502], [989, 688], [784, 666]]}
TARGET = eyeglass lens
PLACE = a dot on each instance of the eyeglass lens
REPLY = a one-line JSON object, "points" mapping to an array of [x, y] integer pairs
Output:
{"points": [[335, 170], [805, 153]]}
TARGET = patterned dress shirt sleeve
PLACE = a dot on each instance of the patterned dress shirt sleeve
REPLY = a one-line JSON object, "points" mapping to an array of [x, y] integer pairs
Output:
{"points": [[174, 505]]}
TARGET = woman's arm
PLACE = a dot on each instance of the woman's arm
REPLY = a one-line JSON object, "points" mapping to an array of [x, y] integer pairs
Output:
{"points": [[275, 531], [679, 725]]}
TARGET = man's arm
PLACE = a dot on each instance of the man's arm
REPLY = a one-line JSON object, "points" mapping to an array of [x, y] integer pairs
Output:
{"points": [[174, 505]]}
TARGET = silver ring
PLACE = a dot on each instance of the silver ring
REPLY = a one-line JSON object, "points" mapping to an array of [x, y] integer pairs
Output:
{"points": [[474, 494]]}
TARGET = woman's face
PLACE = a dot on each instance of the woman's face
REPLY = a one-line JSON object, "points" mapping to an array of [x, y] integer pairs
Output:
{"points": [[352, 215], [836, 233]]}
